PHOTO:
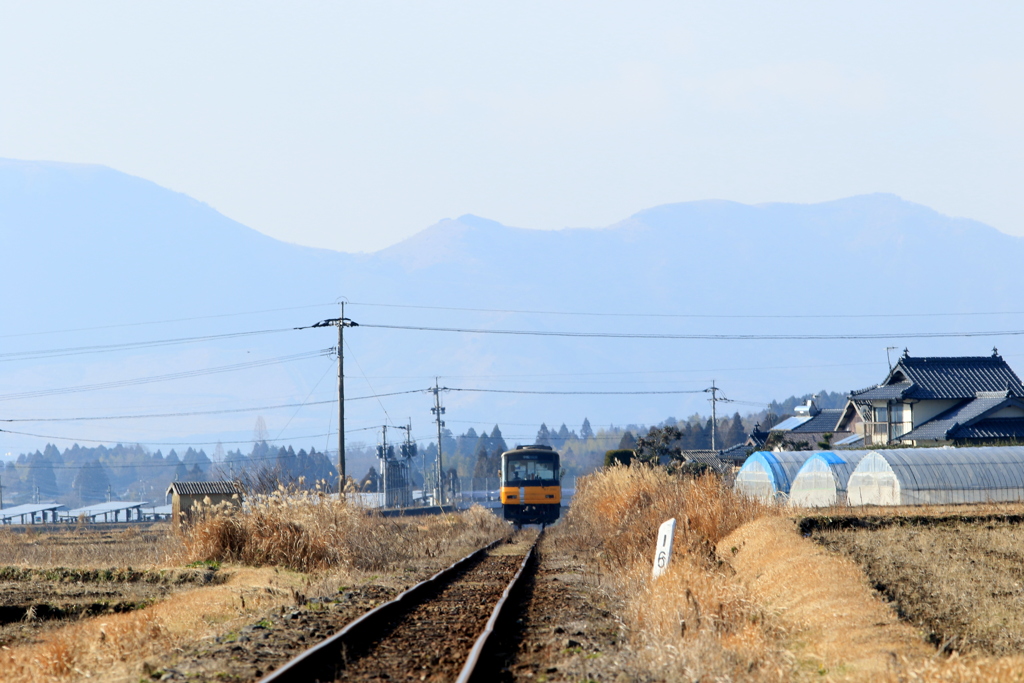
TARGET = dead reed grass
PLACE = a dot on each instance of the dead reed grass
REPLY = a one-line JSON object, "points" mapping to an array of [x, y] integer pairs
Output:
{"points": [[308, 531], [695, 622]]}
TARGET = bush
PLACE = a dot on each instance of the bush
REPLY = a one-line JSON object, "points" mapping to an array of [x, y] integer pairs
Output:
{"points": [[619, 456], [309, 531]]}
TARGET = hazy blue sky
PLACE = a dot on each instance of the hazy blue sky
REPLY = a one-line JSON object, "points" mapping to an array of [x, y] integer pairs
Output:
{"points": [[353, 125]]}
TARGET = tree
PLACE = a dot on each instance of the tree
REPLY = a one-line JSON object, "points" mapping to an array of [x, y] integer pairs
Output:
{"points": [[40, 475], [585, 431], [735, 433], [543, 436], [658, 443], [91, 482], [627, 442], [498, 441]]}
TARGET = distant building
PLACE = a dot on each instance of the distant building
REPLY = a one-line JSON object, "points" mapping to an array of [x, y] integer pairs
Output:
{"points": [[187, 495], [811, 428], [932, 401]]}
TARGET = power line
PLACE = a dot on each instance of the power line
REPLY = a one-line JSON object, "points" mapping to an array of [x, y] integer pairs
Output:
{"points": [[163, 378], [195, 413], [573, 393], [687, 315], [162, 322], [106, 348], [707, 337]]}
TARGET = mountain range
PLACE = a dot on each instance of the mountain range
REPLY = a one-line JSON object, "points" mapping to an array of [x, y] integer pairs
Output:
{"points": [[93, 257]]}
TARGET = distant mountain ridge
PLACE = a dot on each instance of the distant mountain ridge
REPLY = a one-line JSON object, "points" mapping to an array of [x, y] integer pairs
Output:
{"points": [[87, 246]]}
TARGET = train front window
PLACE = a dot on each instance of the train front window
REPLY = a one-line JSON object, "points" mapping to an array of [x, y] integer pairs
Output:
{"points": [[529, 470]]}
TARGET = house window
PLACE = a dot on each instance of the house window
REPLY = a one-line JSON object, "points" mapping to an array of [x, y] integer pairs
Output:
{"points": [[880, 414], [897, 412]]}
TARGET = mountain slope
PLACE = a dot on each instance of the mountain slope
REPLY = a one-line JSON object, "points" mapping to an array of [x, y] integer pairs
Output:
{"points": [[89, 247]]}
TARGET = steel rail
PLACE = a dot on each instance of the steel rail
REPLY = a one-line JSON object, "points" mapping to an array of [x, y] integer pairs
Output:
{"points": [[321, 662], [469, 670]]}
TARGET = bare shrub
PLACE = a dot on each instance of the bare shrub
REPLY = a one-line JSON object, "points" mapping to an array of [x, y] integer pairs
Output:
{"points": [[694, 622], [310, 531]]}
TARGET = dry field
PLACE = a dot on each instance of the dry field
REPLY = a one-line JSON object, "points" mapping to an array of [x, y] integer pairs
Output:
{"points": [[960, 580], [149, 604]]}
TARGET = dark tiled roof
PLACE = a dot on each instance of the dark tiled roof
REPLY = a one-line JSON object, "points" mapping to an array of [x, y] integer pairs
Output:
{"points": [[992, 428], [204, 488], [882, 392], [706, 457], [958, 377], [824, 421], [735, 454], [950, 423]]}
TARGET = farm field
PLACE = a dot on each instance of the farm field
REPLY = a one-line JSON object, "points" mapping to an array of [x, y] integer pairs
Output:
{"points": [[958, 578], [147, 604]]}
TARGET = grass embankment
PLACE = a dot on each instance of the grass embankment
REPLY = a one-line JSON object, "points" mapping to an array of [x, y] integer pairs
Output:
{"points": [[696, 621], [748, 597], [283, 548]]}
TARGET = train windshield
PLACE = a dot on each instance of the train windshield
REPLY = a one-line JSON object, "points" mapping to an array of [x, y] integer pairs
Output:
{"points": [[530, 469]]}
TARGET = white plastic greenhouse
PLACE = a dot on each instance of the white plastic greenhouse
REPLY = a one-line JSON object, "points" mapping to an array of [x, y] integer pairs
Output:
{"points": [[939, 476], [822, 480], [767, 475]]}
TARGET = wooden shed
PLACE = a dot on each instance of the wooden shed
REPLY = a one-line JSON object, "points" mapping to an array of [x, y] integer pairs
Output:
{"points": [[186, 495]]}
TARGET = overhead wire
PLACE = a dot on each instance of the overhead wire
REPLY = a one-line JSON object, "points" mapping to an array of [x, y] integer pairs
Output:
{"points": [[107, 348], [163, 322], [164, 378], [699, 337], [607, 314]]}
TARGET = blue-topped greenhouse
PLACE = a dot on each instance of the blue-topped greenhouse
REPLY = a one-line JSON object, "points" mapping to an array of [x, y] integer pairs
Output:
{"points": [[767, 475], [822, 480]]}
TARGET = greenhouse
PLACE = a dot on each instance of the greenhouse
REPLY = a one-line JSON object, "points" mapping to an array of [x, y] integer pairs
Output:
{"points": [[938, 476], [822, 480], [767, 475]]}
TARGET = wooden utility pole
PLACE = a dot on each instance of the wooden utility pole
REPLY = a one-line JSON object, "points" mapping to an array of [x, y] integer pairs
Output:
{"points": [[341, 323], [714, 414], [438, 411]]}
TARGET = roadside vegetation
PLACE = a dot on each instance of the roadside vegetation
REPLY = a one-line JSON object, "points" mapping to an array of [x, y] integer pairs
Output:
{"points": [[694, 622]]}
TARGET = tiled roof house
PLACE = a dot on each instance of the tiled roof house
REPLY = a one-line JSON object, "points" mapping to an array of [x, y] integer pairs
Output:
{"points": [[965, 400]]}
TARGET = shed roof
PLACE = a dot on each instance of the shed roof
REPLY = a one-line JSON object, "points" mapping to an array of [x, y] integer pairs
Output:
{"points": [[100, 508], [824, 421], [204, 488], [28, 509]]}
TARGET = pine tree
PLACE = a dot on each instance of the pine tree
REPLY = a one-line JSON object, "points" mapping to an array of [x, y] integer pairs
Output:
{"points": [[627, 442], [543, 436], [585, 431]]}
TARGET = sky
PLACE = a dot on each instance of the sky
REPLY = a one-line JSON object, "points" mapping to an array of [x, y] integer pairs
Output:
{"points": [[352, 126]]}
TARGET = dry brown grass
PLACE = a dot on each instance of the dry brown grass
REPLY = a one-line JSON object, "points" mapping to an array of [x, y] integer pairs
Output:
{"points": [[838, 626], [86, 546], [696, 621], [114, 647], [961, 583], [311, 532]]}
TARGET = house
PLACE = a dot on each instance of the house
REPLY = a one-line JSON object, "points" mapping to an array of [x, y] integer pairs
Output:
{"points": [[187, 495], [812, 428], [933, 401]]}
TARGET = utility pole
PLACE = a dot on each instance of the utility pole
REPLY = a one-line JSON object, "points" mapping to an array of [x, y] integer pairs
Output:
{"points": [[384, 462], [341, 323], [438, 411], [1, 493], [714, 415]]}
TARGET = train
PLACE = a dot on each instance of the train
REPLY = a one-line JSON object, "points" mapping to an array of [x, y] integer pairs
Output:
{"points": [[531, 486]]}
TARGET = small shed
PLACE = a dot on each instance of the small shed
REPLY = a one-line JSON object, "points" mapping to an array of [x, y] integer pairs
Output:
{"points": [[186, 495]]}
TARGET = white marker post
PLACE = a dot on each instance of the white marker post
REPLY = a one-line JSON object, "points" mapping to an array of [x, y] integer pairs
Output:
{"points": [[663, 552]]}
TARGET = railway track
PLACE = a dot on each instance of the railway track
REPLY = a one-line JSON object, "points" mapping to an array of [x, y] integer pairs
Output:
{"points": [[442, 629]]}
